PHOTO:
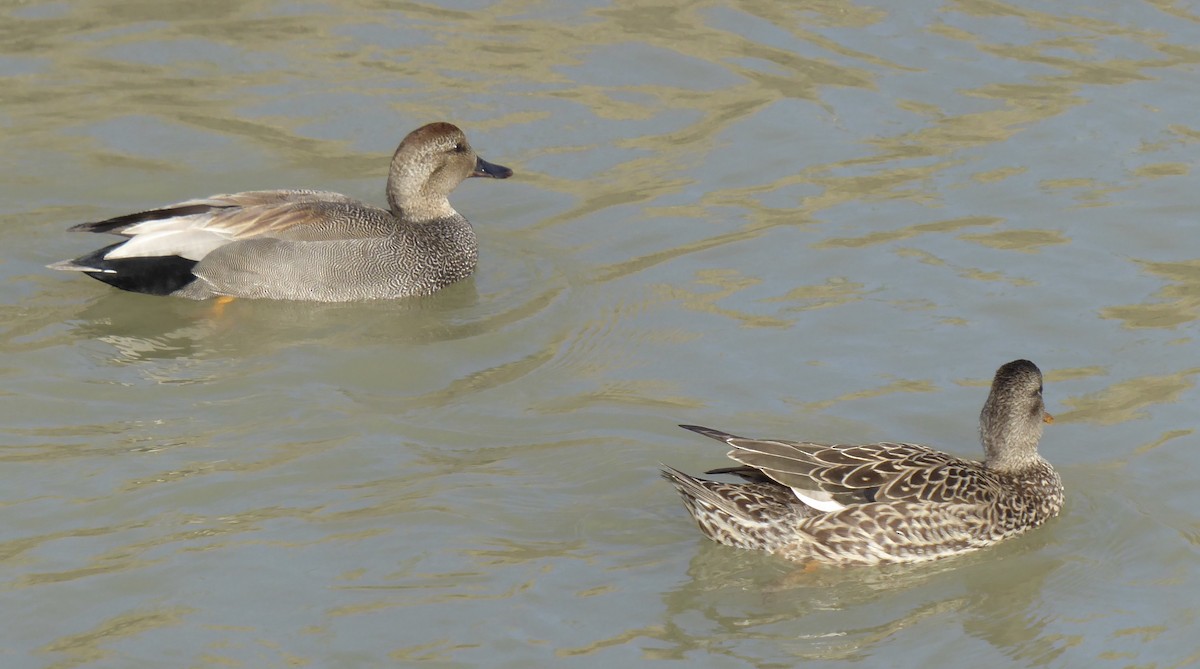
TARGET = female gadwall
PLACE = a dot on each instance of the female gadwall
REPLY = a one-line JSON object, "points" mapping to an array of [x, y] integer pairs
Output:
{"points": [[305, 244], [886, 502]]}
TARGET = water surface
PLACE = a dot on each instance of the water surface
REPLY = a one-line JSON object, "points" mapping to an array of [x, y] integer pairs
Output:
{"points": [[829, 222]]}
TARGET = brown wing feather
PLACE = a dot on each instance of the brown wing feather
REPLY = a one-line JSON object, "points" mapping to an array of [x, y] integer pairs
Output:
{"points": [[238, 215], [302, 221], [882, 472], [751, 474]]}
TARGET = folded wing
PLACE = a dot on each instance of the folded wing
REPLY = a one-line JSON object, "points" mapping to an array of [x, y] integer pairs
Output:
{"points": [[194, 228], [830, 477]]}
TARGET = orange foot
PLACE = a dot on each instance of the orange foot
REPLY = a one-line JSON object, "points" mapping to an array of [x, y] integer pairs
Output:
{"points": [[219, 305], [801, 575]]}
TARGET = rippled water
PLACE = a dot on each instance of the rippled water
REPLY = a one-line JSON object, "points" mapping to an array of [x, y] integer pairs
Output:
{"points": [[814, 220]]}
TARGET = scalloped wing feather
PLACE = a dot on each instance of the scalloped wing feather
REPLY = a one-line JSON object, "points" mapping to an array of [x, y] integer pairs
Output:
{"points": [[858, 473], [956, 482]]}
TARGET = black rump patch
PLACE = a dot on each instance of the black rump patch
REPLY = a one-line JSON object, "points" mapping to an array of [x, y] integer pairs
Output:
{"points": [[158, 275]]}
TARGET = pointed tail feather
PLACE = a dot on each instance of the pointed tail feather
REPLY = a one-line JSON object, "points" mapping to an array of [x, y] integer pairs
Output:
{"points": [[710, 433], [750, 474], [693, 491], [74, 266]]}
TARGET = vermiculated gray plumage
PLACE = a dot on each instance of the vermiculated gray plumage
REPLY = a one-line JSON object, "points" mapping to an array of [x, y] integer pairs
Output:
{"points": [[305, 244], [884, 502]]}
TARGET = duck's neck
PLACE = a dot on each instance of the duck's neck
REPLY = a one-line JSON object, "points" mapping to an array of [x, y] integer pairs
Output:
{"points": [[1013, 461], [1009, 443], [421, 210], [412, 204]]}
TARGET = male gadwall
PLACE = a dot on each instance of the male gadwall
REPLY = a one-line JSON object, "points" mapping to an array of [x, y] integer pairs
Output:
{"points": [[305, 244], [887, 502]]}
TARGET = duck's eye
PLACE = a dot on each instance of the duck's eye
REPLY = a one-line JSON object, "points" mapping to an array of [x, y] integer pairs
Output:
{"points": [[460, 148]]}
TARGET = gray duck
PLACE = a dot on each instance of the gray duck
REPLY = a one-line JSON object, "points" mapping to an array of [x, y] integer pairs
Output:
{"points": [[305, 244]]}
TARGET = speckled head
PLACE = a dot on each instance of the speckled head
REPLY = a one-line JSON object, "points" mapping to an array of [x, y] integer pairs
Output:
{"points": [[429, 163], [1010, 424]]}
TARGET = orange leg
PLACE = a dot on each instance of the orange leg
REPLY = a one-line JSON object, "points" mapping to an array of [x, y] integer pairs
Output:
{"points": [[802, 574], [219, 305]]}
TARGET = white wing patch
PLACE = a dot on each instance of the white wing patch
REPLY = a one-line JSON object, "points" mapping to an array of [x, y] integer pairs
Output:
{"points": [[823, 502], [191, 243]]}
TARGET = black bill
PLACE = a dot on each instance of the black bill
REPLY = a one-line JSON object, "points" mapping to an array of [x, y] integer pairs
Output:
{"points": [[485, 169]]}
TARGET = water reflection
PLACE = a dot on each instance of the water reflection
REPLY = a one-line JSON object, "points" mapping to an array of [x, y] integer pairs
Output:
{"points": [[1128, 400], [1177, 303], [995, 598]]}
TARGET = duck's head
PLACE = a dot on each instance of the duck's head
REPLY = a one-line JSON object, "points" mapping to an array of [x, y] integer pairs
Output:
{"points": [[429, 163], [1010, 425]]}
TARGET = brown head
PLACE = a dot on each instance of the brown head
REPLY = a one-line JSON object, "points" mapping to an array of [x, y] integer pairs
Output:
{"points": [[1010, 425], [429, 163]]}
